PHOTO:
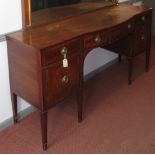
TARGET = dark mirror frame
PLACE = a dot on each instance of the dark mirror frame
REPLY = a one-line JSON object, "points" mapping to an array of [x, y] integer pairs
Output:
{"points": [[26, 12]]}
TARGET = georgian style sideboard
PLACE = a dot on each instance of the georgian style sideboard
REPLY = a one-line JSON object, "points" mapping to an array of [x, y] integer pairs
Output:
{"points": [[46, 62]]}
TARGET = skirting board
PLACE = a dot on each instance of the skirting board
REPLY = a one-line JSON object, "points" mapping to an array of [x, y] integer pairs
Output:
{"points": [[21, 115], [31, 109], [3, 36]]}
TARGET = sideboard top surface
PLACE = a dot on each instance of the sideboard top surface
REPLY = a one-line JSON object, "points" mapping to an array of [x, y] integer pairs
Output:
{"points": [[51, 34], [43, 16]]}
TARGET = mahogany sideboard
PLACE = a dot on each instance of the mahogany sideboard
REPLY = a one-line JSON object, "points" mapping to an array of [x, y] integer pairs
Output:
{"points": [[46, 62]]}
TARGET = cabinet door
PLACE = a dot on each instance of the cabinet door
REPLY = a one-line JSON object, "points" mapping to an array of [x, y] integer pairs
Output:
{"points": [[61, 82], [142, 33]]}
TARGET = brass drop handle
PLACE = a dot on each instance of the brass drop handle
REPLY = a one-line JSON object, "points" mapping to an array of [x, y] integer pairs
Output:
{"points": [[129, 26], [143, 18], [65, 79], [64, 52], [98, 39], [142, 38]]}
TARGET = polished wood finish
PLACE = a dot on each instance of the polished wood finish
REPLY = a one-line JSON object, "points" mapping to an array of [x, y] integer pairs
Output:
{"points": [[67, 11], [36, 54], [26, 13], [58, 13], [44, 129], [14, 107], [54, 75]]}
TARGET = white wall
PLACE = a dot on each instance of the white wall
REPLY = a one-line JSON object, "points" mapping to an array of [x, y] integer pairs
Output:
{"points": [[10, 15], [10, 20], [5, 101]]}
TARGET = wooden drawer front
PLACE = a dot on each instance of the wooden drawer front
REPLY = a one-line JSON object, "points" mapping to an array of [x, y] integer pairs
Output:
{"points": [[144, 18], [142, 33], [120, 32], [92, 40], [140, 40], [60, 81], [53, 54], [101, 38]]}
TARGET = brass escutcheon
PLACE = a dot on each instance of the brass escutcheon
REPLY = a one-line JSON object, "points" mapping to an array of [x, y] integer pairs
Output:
{"points": [[143, 18], [65, 79], [143, 38], [98, 39], [64, 51], [129, 26]]}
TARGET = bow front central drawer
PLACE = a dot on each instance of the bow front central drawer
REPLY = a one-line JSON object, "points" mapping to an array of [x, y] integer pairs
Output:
{"points": [[100, 38]]}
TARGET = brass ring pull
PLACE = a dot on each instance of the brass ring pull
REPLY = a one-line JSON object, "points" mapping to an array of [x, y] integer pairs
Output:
{"points": [[64, 51], [98, 39], [65, 79], [142, 38], [143, 18], [129, 26]]}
